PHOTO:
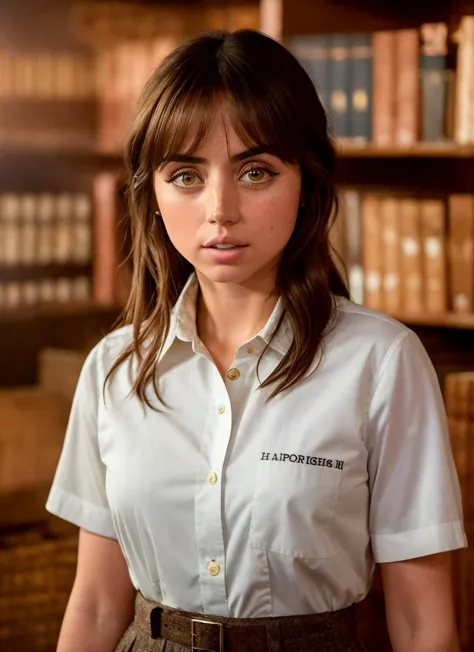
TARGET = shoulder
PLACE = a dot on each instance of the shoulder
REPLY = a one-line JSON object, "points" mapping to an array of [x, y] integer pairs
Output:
{"points": [[367, 335], [368, 326], [369, 323], [103, 355]]}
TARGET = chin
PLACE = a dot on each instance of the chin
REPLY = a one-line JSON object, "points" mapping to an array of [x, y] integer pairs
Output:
{"points": [[227, 274]]}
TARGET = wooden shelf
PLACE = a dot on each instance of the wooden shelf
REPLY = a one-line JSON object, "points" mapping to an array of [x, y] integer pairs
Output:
{"points": [[345, 149], [444, 320], [9, 273], [418, 150], [55, 309], [335, 16], [55, 147]]}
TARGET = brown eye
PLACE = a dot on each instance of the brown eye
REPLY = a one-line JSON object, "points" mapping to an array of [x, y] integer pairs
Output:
{"points": [[185, 179], [256, 175], [188, 178]]}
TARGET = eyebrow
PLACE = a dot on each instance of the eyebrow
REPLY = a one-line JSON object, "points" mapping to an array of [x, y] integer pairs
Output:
{"points": [[188, 158]]}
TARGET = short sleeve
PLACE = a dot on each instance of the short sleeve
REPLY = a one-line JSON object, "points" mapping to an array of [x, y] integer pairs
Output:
{"points": [[416, 507], [78, 491]]}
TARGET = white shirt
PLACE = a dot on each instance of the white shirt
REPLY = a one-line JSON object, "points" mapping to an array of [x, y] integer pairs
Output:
{"points": [[225, 504]]}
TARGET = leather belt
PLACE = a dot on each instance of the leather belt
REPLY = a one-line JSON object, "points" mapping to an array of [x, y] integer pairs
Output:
{"points": [[203, 635], [220, 634]]}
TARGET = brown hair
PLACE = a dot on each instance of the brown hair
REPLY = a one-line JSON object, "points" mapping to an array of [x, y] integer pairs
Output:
{"points": [[271, 101]]}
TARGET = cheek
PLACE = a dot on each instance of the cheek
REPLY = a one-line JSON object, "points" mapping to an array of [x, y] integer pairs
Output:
{"points": [[179, 229], [277, 219]]}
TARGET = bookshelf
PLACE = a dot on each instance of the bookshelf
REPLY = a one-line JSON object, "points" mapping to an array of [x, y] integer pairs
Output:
{"points": [[419, 192], [418, 150], [405, 161], [55, 145]]}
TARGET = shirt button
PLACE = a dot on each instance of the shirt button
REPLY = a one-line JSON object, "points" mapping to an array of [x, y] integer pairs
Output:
{"points": [[213, 568], [221, 409], [233, 374], [250, 350], [212, 478]]}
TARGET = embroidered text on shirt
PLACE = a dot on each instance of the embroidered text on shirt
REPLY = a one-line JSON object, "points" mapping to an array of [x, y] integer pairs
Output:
{"points": [[303, 459]]}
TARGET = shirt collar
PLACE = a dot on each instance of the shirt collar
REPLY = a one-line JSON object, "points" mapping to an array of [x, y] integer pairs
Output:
{"points": [[183, 321]]}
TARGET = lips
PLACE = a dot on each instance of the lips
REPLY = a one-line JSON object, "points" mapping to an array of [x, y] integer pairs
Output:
{"points": [[224, 241]]}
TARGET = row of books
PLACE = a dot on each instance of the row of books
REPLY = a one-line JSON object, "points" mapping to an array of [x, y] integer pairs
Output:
{"points": [[395, 87], [33, 292], [63, 234], [402, 253], [45, 228], [407, 254], [46, 75], [123, 69], [109, 76], [459, 400]]}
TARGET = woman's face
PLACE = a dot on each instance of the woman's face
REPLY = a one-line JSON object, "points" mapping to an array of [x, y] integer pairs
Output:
{"points": [[229, 211]]}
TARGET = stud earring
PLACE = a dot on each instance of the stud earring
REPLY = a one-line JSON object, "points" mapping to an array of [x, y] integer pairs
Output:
{"points": [[158, 214]]}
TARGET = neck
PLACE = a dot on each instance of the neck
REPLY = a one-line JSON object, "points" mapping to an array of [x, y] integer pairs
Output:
{"points": [[228, 315]]}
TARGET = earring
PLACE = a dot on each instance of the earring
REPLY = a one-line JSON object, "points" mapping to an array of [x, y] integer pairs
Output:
{"points": [[158, 214]]}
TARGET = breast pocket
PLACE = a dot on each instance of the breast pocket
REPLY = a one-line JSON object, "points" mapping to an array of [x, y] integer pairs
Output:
{"points": [[293, 509]]}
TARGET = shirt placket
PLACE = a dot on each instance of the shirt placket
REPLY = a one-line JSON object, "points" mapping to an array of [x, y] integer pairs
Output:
{"points": [[209, 497]]}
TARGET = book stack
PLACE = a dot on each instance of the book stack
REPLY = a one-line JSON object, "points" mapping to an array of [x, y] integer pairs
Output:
{"points": [[395, 87], [408, 254], [459, 399], [47, 98], [41, 236]]}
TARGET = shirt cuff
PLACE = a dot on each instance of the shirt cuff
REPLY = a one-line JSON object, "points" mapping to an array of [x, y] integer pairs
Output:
{"points": [[418, 543], [85, 515]]}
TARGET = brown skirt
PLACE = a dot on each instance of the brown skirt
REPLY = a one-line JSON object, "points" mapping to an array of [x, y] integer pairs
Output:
{"points": [[327, 632]]}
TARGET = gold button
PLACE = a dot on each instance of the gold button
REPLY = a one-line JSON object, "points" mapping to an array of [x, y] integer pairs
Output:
{"points": [[213, 568], [233, 374], [221, 409], [212, 478], [250, 350]]}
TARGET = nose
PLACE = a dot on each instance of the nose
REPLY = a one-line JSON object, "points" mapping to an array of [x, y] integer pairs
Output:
{"points": [[222, 203]]}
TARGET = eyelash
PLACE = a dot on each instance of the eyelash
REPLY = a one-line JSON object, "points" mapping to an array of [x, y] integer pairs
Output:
{"points": [[257, 166]]}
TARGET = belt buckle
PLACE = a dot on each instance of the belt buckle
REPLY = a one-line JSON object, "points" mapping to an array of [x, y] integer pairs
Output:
{"points": [[195, 636]]}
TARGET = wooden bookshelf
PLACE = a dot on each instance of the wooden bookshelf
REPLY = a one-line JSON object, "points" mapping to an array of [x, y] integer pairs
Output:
{"points": [[446, 320], [419, 150], [9, 273], [66, 310], [421, 171], [284, 18]]}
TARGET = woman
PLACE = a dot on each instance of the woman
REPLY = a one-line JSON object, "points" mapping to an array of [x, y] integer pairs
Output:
{"points": [[249, 443]]}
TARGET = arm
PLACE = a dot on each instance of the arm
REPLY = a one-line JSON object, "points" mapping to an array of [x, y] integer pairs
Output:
{"points": [[100, 606], [419, 604]]}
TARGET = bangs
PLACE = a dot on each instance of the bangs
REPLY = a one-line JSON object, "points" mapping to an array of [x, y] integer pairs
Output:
{"points": [[188, 108]]}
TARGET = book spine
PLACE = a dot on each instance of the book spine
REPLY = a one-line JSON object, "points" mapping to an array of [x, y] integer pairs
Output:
{"points": [[361, 72], [339, 85], [351, 211], [411, 255], [407, 100], [433, 80], [433, 221], [105, 245], [460, 252], [464, 81], [383, 111], [390, 236], [372, 252], [313, 54]]}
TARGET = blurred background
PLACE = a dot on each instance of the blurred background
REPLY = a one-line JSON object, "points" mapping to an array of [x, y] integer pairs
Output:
{"points": [[397, 82]]}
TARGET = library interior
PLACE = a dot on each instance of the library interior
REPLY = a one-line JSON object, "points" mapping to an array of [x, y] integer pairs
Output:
{"points": [[396, 80]]}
